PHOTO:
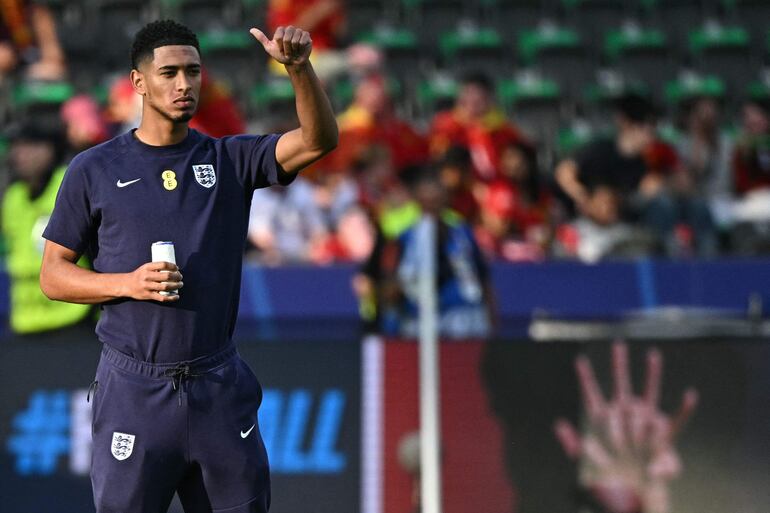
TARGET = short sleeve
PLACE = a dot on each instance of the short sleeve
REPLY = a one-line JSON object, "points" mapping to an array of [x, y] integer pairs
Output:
{"points": [[72, 223], [255, 161]]}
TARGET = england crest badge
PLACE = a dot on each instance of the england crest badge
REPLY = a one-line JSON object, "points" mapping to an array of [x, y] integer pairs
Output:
{"points": [[122, 445], [204, 175]]}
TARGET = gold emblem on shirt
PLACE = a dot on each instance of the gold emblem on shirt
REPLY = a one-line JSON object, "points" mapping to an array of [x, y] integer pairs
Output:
{"points": [[169, 180]]}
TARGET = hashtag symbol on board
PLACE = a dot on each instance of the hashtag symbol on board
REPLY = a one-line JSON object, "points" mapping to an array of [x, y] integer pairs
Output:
{"points": [[41, 432]]}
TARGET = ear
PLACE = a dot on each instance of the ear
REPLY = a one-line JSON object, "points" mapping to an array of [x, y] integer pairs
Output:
{"points": [[137, 80]]}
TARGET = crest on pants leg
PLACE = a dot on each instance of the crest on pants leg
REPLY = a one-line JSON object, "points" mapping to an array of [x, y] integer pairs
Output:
{"points": [[122, 445]]}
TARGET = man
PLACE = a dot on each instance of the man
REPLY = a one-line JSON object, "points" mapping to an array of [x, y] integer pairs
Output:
{"points": [[623, 178], [475, 123], [175, 408], [36, 157]]}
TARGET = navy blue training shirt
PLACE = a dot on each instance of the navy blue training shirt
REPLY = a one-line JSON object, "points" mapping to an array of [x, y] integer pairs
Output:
{"points": [[121, 196]]}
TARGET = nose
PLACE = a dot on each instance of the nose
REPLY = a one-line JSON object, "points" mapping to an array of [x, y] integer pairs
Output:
{"points": [[183, 83]]}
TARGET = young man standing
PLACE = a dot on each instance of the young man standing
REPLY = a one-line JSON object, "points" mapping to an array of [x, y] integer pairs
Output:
{"points": [[175, 408]]}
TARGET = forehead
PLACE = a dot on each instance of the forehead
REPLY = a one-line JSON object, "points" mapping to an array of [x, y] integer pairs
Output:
{"points": [[175, 55]]}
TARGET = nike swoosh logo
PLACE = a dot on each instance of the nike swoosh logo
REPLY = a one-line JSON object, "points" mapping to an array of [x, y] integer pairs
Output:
{"points": [[244, 434], [124, 184]]}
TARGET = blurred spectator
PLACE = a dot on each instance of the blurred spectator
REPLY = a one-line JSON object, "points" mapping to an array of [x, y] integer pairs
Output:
{"points": [[751, 160], [218, 114], [124, 107], [392, 273], [751, 177], [324, 19], [28, 38], [286, 224], [476, 123], [514, 208], [456, 175], [627, 179], [352, 241], [36, 160], [84, 123], [706, 150], [369, 120]]}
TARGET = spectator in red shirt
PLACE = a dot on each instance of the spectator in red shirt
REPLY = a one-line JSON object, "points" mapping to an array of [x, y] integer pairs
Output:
{"points": [[218, 114], [476, 123], [371, 120], [514, 208]]}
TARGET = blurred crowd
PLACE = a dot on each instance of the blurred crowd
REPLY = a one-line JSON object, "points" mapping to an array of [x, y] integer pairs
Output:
{"points": [[633, 191]]}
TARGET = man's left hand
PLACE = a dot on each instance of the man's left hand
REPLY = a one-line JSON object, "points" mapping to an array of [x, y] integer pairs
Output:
{"points": [[290, 46]]}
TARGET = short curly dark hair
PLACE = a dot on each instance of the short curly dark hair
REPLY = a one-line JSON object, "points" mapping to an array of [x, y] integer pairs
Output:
{"points": [[160, 33]]}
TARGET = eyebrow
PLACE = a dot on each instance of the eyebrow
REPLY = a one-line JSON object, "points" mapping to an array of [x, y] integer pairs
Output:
{"points": [[174, 67]]}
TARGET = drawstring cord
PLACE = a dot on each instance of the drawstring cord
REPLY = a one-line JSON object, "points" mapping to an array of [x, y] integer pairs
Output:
{"points": [[91, 389], [178, 374]]}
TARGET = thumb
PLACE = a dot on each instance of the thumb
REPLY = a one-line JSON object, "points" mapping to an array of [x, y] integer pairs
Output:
{"points": [[260, 36]]}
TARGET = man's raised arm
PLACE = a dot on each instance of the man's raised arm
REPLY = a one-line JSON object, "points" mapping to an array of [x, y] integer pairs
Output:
{"points": [[317, 134]]}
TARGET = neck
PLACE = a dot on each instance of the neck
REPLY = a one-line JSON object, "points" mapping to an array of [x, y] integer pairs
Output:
{"points": [[626, 146], [160, 132]]}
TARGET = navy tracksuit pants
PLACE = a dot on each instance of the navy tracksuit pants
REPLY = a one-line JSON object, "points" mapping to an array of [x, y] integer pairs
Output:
{"points": [[189, 427]]}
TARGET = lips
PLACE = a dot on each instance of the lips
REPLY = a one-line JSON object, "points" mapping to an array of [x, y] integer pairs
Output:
{"points": [[185, 101]]}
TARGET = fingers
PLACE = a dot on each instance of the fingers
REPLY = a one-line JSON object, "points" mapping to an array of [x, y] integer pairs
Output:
{"points": [[165, 286], [160, 266], [592, 395], [278, 37], [163, 276], [284, 43], [568, 437], [164, 298], [290, 42], [654, 374], [686, 409], [259, 36], [621, 373]]}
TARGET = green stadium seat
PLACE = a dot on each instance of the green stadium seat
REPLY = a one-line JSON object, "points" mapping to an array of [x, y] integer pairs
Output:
{"points": [[470, 47], [675, 17], [232, 56], [344, 90], [723, 50], [571, 138], [753, 14], [30, 94], [273, 99], [558, 53], [534, 102], [639, 53], [692, 86], [400, 46], [436, 93], [758, 90]]}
